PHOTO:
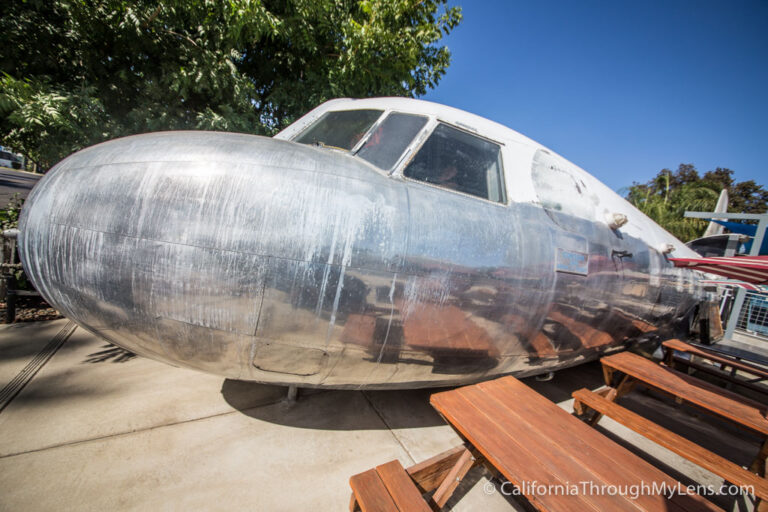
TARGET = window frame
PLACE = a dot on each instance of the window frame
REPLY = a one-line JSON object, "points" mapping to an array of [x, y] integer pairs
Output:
{"points": [[422, 138]]}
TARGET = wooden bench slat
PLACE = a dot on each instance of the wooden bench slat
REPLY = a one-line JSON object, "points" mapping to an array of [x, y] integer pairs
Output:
{"points": [[401, 488], [371, 493], [609, 461], [741, 410], [712, 462]]}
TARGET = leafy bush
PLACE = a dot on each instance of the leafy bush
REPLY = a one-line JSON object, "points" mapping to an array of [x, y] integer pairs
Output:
{"points": [[9, 216]]}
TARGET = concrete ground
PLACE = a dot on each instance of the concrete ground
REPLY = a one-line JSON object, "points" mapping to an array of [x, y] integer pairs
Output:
{"points": [[87, 426]]}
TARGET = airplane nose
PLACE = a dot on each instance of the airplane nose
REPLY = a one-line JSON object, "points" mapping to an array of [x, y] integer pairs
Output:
{"points": [[165, 243]]}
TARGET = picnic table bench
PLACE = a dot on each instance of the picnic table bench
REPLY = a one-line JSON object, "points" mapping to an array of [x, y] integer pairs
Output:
{"points": [[390, 487], [674, 347]]}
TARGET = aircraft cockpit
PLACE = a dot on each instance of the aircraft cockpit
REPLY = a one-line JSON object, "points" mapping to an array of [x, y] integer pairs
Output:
{"points": [[444, 156]]}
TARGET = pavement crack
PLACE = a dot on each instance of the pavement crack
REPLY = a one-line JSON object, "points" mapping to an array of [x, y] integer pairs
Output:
{"points": [[141, 430], [389, 427], [116, 435]]}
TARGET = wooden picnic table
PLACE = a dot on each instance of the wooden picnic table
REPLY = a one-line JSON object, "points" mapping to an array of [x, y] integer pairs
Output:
{"points": [[740, 351], [674, 348], [709, 397], [713, 354], [527, 438], [731, 472], [625, 369]]}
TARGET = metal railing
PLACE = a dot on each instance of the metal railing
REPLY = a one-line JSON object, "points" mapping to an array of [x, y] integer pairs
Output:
{"points": [[753, 316]]}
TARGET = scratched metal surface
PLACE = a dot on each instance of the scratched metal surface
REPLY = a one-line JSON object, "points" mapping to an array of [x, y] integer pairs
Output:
{"points": [[262, 259]]}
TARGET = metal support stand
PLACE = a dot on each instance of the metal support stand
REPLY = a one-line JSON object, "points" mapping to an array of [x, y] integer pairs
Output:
{"points": [[293, 394], [733, 319], [7, 277], [545, 377]]}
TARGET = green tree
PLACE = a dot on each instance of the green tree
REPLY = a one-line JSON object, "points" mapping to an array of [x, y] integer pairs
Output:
{"points": [[78, 72], [667, 197]]}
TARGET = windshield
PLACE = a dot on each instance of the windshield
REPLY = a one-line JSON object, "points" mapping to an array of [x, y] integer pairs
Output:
{"points": [[340, 129], [385, 145], [385, 141], [460, 161]]}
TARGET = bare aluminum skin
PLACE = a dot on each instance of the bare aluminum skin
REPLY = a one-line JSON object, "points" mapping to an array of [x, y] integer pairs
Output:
{"points": [[268, 260]]}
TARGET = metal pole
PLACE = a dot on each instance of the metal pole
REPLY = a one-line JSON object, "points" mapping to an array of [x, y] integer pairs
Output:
{"points": [[757, 242], [741, 293], [710, 215]]}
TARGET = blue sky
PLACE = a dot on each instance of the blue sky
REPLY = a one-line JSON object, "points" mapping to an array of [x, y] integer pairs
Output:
{"points": [[621, 88]]}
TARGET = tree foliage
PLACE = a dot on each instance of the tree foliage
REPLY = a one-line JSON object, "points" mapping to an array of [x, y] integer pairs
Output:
{"points": [[76, 72], [667, 197]]}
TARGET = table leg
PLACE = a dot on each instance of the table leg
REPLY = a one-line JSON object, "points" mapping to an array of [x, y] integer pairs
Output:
{"points": [[758, 465], [454, 477], [626, 385], [668, 356], [608, 375]]}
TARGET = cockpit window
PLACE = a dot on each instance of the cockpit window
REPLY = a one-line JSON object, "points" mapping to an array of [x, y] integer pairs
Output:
{"points": [[340, 129], [385, 145], [457, 160]]}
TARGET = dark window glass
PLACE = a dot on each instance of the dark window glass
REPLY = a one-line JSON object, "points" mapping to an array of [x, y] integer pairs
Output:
{"points": [[385, 145], [717, 245], [340, 129], [460, 161]]}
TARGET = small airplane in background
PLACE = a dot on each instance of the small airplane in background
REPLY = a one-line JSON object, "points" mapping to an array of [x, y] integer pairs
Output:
{"points": [[377, 243]]}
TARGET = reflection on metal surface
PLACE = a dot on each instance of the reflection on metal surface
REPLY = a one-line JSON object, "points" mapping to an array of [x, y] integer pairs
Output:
{"points": [[271, 260]]}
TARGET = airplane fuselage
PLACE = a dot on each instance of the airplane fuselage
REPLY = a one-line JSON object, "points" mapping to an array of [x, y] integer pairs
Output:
{"points": [[471, 252]]}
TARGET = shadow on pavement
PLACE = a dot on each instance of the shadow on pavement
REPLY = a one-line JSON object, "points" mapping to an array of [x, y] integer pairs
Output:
{"points": [[110, 353], [25, 340], [565, 382], [396, 409], [333, 409]]}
